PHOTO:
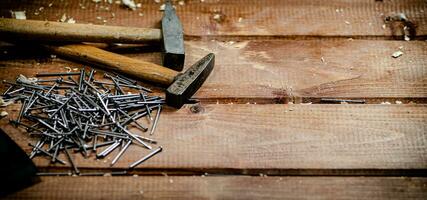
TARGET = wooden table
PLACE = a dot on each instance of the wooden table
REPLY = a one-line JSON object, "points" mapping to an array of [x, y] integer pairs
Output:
{"points": [[255, 135]]}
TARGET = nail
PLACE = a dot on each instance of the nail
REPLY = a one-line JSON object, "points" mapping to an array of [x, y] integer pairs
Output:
{"points": [[133, 165], [153, 128], [121, 153], [57, 74], [76, 170]]}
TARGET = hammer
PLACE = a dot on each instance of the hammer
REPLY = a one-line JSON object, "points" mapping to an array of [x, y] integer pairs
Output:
{"points": [[170, 36], [181, 85]]}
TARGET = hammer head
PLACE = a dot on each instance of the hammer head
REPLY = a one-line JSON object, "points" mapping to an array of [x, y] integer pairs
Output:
{"points": [[186, 84], [173, 39]]}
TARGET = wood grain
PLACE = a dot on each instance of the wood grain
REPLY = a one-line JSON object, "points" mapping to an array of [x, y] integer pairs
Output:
{"points": [[277, 139], [109, 61], [230, 187], [355, 18], [277, 71], [57, 31]]}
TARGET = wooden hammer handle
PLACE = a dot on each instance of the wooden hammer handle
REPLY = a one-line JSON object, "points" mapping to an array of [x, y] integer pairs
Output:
{"points": [[65, 32], [116, 62]]}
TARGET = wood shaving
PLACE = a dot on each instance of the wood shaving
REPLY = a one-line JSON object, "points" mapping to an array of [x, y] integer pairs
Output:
{"points": [[397, 54], [157, 1], [96, 1], [218, 17], [4, 103], [18, 14], [82, 6], [162, 7], [63, 18], [71, 21], [398, 102], [181, 3], [23, 79], [130, 4], [3, 114]]}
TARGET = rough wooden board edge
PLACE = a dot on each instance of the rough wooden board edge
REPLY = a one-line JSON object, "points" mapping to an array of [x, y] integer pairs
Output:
{"points": [[229, 187]]}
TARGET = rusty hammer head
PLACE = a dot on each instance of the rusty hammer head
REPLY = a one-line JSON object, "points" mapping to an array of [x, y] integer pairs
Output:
{"points": [[187, 83], [173, 39]]}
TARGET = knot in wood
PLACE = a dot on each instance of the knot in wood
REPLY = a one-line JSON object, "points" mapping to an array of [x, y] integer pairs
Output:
{"points": [[196, 109]]}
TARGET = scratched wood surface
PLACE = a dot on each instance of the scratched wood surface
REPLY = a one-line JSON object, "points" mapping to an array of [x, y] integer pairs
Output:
{"points": [[282, 70], [239, 187], [270, 53]]}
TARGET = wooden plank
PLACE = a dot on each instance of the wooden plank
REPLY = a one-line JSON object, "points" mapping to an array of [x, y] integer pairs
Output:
{"points": [[241, 17], [230, 187], [270, 71], [277, 139]]}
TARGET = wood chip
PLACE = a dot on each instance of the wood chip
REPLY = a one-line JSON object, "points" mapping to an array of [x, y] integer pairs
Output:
{"points": [[130, 4], [3, 114], [18, 14], [63, 18], [71, 21], [397, 54]]}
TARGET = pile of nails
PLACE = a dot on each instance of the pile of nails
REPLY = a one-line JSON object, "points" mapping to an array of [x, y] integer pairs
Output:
{"points": [[73, 112]]}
